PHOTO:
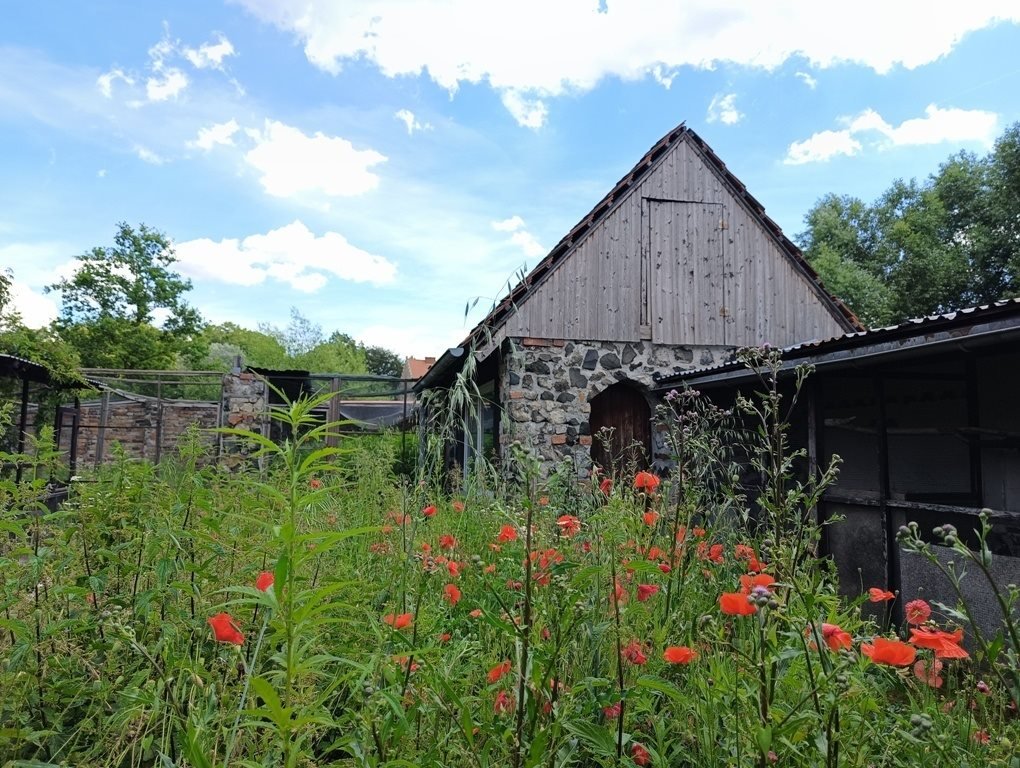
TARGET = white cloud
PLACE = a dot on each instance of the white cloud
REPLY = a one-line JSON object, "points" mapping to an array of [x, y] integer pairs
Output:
{"points": [[570, 45], [938, 125], [408, 118], [292, 163], [36, 309], [809, 81], [823, 145], [209, 55], [217, 133], [167, 85], [724, 109], [101, 173], [520, 236], [412, 339], [106, 80], [147, 155], [292, 254], [529, 112]]}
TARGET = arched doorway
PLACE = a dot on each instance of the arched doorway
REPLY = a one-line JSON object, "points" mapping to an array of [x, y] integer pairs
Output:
{"points": [[623, 409]]}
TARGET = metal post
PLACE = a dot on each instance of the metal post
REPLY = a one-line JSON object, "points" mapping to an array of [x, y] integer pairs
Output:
{"points": [[72, 460], [892, 562], [22, 427], [403, 426], [104, 408], [159, 420]]}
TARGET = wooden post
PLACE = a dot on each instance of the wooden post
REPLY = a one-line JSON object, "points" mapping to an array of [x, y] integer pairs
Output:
{"points": [[104, 408], [22, 427], [892, 555], [159, 418], [333, 412], [75, 433], [974, 439]]}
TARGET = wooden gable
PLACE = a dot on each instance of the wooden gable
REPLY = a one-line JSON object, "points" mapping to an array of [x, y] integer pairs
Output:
{"points": [[681, 256]]}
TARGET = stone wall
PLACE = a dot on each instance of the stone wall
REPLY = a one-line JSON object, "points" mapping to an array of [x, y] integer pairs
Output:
{"points": [[242, 406], [145, 428], [547, 386]]}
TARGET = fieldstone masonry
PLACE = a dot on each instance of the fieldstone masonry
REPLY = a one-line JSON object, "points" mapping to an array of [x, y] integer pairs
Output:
{"points": [[549, 383], [242, 406]]}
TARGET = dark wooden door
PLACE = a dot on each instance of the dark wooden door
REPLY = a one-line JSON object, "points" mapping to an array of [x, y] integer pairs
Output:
{"points": [[623, 410]]}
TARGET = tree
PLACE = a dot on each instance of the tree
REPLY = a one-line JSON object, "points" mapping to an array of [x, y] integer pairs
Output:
{"points": [[109, 306], [40, 345], [383, 362], [949, 241]]}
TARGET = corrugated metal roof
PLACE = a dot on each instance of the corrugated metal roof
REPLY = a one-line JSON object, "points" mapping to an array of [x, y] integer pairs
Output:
{"points": [[912, 327]]}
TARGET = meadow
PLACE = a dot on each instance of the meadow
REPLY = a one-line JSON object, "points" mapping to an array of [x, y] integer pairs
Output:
{"points": [[316, 608]]}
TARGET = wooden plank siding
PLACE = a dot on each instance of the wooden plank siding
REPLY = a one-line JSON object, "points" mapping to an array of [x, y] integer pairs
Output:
{"points": [[682, 254]]}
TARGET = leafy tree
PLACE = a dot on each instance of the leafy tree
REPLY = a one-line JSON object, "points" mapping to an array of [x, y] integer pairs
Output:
{"points": [[949, 241], [383, 362], [110, 305]]}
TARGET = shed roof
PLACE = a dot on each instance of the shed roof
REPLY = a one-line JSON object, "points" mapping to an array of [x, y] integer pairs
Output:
{"points": [[985, 324], [502, 310]]}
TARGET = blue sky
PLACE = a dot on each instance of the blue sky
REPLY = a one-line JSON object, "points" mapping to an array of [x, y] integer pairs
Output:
{"points": [[379, 164]]}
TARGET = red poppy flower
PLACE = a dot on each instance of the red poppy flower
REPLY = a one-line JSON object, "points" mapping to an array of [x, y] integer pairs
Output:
{"points": [[891, 652], [497, 672], [645, 591], [225, 629], [835, 637], [606, 486], [751, 580], [264, 581], [315, 483], [981, 737], [502, 703], [398, 621], [429, 511], [507, 533], [543, 501], [679, 654], [917, 611], [665, 567], [447, 541], [945, 644], [445, 637], [451, 594], [632, 652], [476, 613], [736, 604], [458, 505], [453, 568], [612, 711], [639, 754], [569, 525], [650, 517], [620, 593], [928, 672], [646, 481], [877, 595]]}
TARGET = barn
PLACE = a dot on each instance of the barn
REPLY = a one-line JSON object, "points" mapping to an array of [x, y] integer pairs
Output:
{"points": [[676, 267]]}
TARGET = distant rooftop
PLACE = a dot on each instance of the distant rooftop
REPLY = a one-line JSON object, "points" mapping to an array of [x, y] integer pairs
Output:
{"points": [[416, 367]]}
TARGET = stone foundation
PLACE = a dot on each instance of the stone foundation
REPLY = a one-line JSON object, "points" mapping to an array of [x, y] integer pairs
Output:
{"points": [[547, 386]]}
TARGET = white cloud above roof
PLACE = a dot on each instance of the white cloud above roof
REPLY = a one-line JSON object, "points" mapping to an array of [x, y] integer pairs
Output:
{"points": [[938, 126], [292, 163], [723, 109], [531, 50], [291, 254], [520, 236]]}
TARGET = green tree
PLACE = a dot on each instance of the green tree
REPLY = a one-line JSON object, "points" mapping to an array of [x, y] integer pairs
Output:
{"points": [[110, 305], [383, 362]]}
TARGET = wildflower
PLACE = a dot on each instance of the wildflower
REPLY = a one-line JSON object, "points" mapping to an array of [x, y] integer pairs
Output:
{"points": [[451, 594], [750, 581], [507, 533], [981, 737], [225, 629], [891, 652], [665, 567], [917, 612], [928, 672], [429, 511], [945, 644], [650, 518], [453, 568], [612, 711], [476, 613], [679, 654], [876, 595], [497, 672], [315, 483], [503, 703], [398, 620], [264, 581], [835, 637], [736, 604], [982, 687], [491, 568], [569, 525], [639, 754], [646, 482], [606, 486], [646, 591], [426, 547], [632, 653], [445, 637], [458, 505], [543, 501], [620, 593], [447, 541]]}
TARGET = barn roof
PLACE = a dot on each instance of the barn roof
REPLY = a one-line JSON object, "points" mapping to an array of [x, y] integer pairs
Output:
{"points": [[502, 311], [988, 324]]}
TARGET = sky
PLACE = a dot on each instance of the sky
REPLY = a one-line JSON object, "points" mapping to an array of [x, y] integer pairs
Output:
{"points": [[382, 164]]}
